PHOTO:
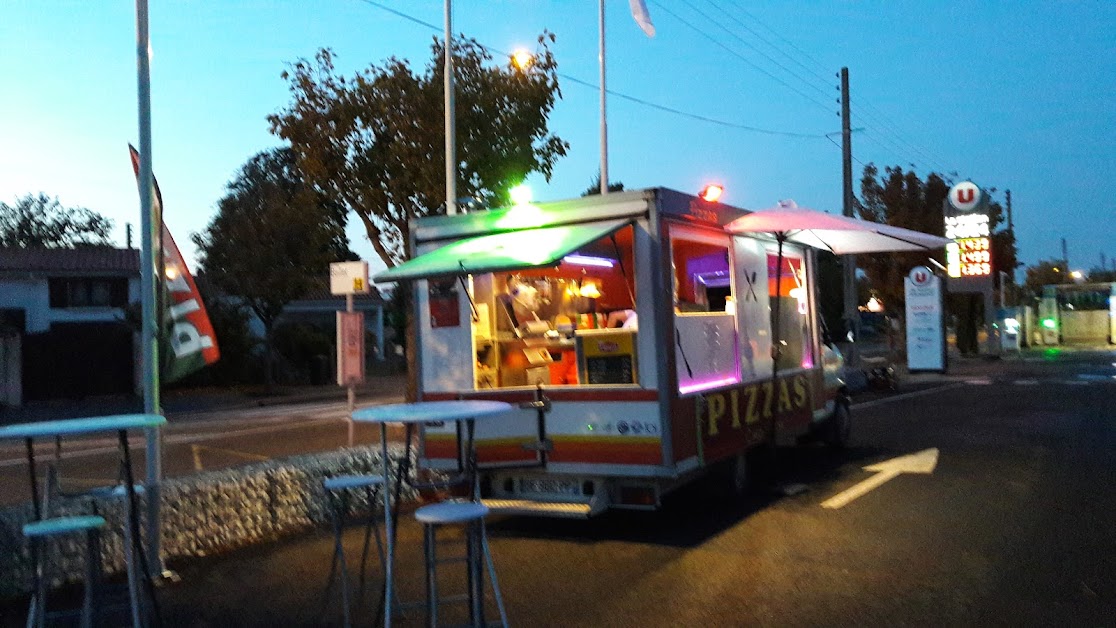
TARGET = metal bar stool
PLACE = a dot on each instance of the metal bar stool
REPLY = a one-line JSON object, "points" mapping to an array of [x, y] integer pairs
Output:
{"points": [[119, 493], [38, 532], [337, 488], [470, 514]]}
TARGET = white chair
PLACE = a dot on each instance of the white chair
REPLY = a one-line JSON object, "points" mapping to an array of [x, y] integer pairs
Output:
{"points": [[470, 514]]}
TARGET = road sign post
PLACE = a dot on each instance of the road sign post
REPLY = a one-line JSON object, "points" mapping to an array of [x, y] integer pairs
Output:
{"points": [[349, 278]]}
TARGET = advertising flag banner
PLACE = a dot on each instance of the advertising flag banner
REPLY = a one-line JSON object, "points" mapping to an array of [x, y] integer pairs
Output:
{"points": [[187, 341], [642, 17]]}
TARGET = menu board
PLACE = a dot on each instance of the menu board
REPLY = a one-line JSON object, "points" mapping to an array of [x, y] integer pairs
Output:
{"points": [[609, 370], [607, 356]]}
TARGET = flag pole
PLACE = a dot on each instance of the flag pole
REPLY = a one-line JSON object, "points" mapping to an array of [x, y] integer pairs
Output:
{"points": [[451, 134], [604, 116], [148, 283]]}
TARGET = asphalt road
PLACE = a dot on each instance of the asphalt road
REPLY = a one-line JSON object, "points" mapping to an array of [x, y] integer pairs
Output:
{"points": [[1013, 526]]}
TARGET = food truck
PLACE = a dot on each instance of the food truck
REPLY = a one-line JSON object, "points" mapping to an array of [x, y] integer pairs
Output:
{"points": [[633, 335]]}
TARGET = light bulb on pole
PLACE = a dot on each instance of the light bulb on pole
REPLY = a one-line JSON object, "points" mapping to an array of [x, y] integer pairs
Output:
{"points": [[522, 59]]}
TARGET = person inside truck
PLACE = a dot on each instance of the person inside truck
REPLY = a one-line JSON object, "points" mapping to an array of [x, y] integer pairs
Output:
{"points": [[625, 319]]}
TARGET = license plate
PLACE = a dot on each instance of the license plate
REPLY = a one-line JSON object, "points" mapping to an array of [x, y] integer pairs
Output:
{"points": [[549, 486]]}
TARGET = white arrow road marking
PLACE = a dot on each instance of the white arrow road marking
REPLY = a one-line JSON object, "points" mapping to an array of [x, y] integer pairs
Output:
{"points": [[921, 462]]}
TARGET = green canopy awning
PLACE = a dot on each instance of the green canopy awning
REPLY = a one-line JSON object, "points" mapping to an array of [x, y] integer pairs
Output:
{"points": [[510, 250]]}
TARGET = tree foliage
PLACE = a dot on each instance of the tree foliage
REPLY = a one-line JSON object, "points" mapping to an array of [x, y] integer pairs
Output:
{"points": [[36, 220], [595, 187], [273, 237], [900, 198], [374, 142], [1045, 273]]}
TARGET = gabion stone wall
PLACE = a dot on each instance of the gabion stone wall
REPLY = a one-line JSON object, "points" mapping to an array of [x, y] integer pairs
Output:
{"points": [[203, 514]]}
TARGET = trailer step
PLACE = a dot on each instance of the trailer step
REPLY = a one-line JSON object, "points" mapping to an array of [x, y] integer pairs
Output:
{"points": [[571, 510]]}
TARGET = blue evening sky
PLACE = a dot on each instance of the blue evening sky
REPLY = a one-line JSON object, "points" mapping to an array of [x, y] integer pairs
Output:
{"points": [[1011, 95]]}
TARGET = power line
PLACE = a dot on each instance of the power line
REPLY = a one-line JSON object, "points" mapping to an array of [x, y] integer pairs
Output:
{"points": [[891, 147], [898, 145], [694, 115], [883, 123], [893, 129], [785, 40], [824, 79], [763, 54], [831, 140], [646, 103], [741, 57]]}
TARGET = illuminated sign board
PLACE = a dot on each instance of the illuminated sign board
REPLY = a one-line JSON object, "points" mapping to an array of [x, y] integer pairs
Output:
{"points": [[967, 224], [969, 257]]}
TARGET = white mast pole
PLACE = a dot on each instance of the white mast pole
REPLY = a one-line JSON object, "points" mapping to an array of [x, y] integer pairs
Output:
{"points": [[151, 232], [604, 117], [451, 139]]}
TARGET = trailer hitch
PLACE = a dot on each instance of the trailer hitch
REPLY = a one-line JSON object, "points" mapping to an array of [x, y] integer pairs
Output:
{"points": [[542, 405]]}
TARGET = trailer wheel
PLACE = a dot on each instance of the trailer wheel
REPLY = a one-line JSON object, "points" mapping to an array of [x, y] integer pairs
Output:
{"points": [[839, 427]]}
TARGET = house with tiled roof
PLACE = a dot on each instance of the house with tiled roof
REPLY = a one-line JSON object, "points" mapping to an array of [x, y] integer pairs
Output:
{"points": [[68, 305]]}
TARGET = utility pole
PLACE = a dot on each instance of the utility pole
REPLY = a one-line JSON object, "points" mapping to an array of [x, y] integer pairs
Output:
{"points": [[1065, 255], [1011, 223], [848, 262]]}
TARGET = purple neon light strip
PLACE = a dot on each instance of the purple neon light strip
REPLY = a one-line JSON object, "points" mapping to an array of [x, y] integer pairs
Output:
{"points": [[589, 260], [706, 385]]}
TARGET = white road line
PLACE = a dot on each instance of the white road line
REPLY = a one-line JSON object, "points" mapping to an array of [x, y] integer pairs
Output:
{"points": [[917, 393], [1026, 382]]}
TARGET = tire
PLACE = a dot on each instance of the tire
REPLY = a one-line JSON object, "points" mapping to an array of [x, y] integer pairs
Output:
{"points": [[838, 428]]}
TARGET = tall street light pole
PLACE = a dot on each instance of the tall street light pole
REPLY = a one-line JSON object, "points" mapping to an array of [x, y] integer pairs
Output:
{"points": [[451, 138]]}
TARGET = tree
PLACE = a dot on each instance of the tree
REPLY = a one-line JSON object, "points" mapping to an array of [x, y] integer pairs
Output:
{"points": [[374, 143], [595, 186], [40, 221], [1046, 273], [1098, 274], [272, 239], [900, 199]]}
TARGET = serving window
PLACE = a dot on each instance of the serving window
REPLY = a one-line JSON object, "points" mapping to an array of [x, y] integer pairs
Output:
{"points": [[705, 342], [571, 324]]}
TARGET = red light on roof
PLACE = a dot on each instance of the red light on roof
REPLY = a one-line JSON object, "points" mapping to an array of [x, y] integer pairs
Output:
{"points": [[711, 193]]}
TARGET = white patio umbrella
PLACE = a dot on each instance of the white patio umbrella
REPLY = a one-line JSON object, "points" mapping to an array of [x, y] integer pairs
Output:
{"points": [[788, 222], [841, 235]]}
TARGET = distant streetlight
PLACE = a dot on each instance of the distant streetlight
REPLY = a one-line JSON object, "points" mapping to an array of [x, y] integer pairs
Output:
{"points": [[522, 59], [1077, 276]]}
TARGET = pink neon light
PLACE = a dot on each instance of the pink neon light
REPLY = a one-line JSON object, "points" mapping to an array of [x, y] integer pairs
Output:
{"points": [[706, 385]]}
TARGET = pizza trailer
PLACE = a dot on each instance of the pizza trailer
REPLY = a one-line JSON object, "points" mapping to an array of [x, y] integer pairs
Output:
{"points": [[634, 333]]}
